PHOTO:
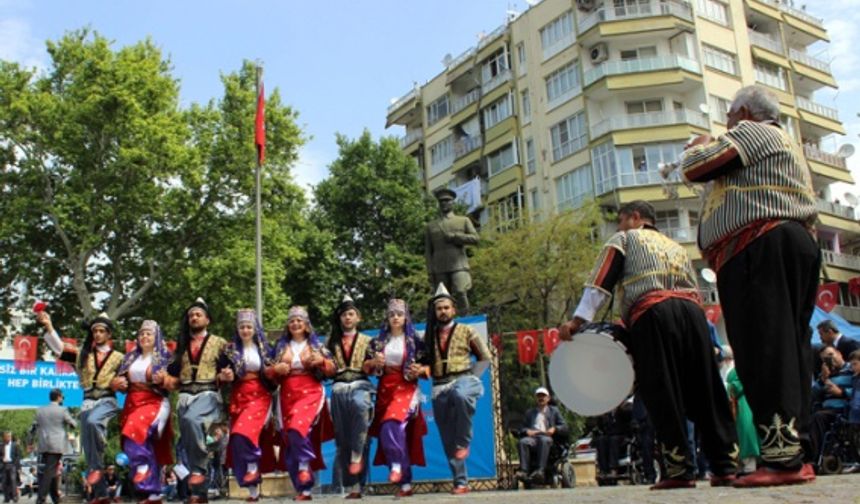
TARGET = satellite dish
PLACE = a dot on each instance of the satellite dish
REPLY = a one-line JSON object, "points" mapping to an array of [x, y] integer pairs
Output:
{"points": [[851, 199], [704, 108], [447, 59], [393, 101], [846, 151], [709, 275]]}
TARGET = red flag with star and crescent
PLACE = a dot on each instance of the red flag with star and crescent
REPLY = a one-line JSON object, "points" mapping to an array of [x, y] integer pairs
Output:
{"points": [[828, 295], [713, 313], [260, 126], [527, 346], [25, 351], [550, 340]]}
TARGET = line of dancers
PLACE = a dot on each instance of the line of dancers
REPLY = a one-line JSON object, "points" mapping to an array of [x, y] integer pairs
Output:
{"points": [[277, 397]]}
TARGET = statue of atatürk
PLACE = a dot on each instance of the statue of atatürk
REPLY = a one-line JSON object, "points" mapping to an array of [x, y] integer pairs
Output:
{"points": [[445, 241]]}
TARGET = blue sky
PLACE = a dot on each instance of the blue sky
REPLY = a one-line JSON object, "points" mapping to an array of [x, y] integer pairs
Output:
{"points": [[337, 62]]}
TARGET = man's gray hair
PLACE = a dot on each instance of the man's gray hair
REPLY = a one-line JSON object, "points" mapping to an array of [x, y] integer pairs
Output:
{"points": [[761, 103]]}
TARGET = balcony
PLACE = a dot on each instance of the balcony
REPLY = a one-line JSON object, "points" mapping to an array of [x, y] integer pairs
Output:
{"points": [[847, 261], [498, 80], [817, 108], [802, 15], [454, 63], [558, 46], [686, 234], [648, 120], [411, 95], [813, 153], [619, 67], [837, 209], [764, 41], [466, 145], [464, 101], [810, 61], [640, 10], [635, 179], [410, 138]]}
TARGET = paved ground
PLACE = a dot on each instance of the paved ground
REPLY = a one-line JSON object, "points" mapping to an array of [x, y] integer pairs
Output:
{"points": [[844, 489]]}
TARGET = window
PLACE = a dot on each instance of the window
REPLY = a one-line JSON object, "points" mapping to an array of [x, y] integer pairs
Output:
{"points": [[527, 106], [521, 58], [631, 7], [507, 212], [770, 75], [569, 136], [790, 125], [719, 59], [719, 109], [533, 196], [563, 83], [639, 53], [713, 10], [437, 110], [556, 30], [497, 111], [605, 168], [441, 155], [495, 65], [531, 164], [502, 159], [573, 188], [642, 106], [631, 166]]}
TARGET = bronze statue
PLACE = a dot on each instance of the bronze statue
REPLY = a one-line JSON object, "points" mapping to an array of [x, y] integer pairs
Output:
{"points": [[445, 241]]}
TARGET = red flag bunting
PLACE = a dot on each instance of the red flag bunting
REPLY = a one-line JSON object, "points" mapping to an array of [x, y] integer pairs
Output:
{"points": [[854, 286], [496, 340], [129, 345], [713, 313], [527, 346], [260, 126], [171, 345], [550, 340], [63, 367], [25, 351], [828, 295]]}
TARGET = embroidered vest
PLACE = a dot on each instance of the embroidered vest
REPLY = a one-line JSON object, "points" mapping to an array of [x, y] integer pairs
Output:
{"points": [[91, 376], [457, 357], [206, 368], [351, 371]]}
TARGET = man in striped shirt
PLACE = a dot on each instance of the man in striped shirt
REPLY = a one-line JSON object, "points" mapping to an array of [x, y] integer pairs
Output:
{"points": [[755, 232], [676, 373]]}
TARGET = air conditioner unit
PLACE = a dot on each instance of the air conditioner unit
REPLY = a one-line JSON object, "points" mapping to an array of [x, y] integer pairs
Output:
{"points": [[599, 53], [585, 5]]}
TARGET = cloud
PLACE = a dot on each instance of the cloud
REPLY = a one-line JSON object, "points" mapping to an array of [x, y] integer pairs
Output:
{"points": [[20, 45], [312, 167]]}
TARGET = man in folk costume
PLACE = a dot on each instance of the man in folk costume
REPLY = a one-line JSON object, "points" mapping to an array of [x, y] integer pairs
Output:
{"points": [[756, 233], [96, 364], [673, 359], [352, 395], [455, 389], [145, 426], [199, 366]]}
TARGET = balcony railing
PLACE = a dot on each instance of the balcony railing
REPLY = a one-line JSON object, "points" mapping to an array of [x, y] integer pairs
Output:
{"points": [[764, 41], [637, 178], [639, 10], [464, 101], [468, 53], [814, 153], [498, 80], [810, 61], [841, 260], [801, 15], [403, 99], [493, 35], [682, 234], [649, 119], [410, 138], [817, 108], [466, 145], [835, 209], [619, 67]]}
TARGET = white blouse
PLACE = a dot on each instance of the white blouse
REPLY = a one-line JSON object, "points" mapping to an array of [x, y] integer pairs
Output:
{"points": [[297, 347], [137, 371], [395, 350], [251, 358]]}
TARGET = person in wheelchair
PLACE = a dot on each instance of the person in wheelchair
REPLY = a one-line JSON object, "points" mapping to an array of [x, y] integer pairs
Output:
{"points": [[831, 392], [543, 426], [613, 432]]}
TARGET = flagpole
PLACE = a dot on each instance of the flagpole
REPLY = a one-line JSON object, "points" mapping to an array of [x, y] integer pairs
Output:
{"points": [[259, 233]]}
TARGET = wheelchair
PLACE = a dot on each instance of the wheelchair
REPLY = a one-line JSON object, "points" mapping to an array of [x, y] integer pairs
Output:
{"points": [[631, 467], [559, 471], [839, 448]]}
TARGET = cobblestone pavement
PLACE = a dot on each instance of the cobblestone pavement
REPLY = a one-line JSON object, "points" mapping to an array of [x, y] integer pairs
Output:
{"points": [[843, 489]]}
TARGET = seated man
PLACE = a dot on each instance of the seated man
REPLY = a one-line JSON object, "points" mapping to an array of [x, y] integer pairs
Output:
{"points": [[831, 390], [613, 429], [114, 487], [541, 424]]}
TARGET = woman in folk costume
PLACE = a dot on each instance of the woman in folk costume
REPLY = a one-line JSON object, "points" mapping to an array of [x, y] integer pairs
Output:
{"points": [[145, 427], [748, 441], [399, 423], [301, 363], [351, 395], [250, 450]]}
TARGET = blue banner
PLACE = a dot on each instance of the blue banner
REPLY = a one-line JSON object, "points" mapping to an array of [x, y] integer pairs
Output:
{"points": [[29, 388]]}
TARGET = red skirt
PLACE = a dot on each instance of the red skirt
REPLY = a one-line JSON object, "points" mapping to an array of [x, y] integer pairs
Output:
{"points": [[304, 410], [138, 414], [249, 409], [394, 397]]}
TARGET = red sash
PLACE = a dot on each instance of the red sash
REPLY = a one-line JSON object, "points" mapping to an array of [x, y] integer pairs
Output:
{"points": [[140, 410]]}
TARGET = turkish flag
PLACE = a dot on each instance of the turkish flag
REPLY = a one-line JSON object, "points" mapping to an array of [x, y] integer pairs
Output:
{"points": [[527, 346], [171, 345], [496, 340], [713, 313], [63, 367], [828, 295], [260, 126], [854, 286], [129, 345], [550, 340], [25, 351]]}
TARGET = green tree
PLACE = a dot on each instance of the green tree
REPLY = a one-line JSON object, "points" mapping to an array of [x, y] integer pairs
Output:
{"points": [[375, 206]]}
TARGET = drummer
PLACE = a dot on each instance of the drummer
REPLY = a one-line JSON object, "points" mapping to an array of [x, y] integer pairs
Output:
{"points": [[675, 368]]}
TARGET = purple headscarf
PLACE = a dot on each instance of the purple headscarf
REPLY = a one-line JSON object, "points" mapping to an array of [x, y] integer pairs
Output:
{"points": [[411, 338], [160, 354], [237, 346]]}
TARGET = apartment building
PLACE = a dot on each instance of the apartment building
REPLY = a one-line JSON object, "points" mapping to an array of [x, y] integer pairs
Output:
{"points": [[574, 100]]}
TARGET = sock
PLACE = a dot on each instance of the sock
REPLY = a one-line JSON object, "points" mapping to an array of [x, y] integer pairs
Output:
{"points": [[154, 497], [406, 487], [142, 468], [304, 466], [355, 457], [252, 467], [254, 491], [395, 467]]}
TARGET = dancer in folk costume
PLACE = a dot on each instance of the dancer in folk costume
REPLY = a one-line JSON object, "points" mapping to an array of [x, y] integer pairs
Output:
{"points": [[456, 389], [145, 427], [399, 422], [301, 363], [352, 395], [251, 451], [199, 367], [96, 363]]}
